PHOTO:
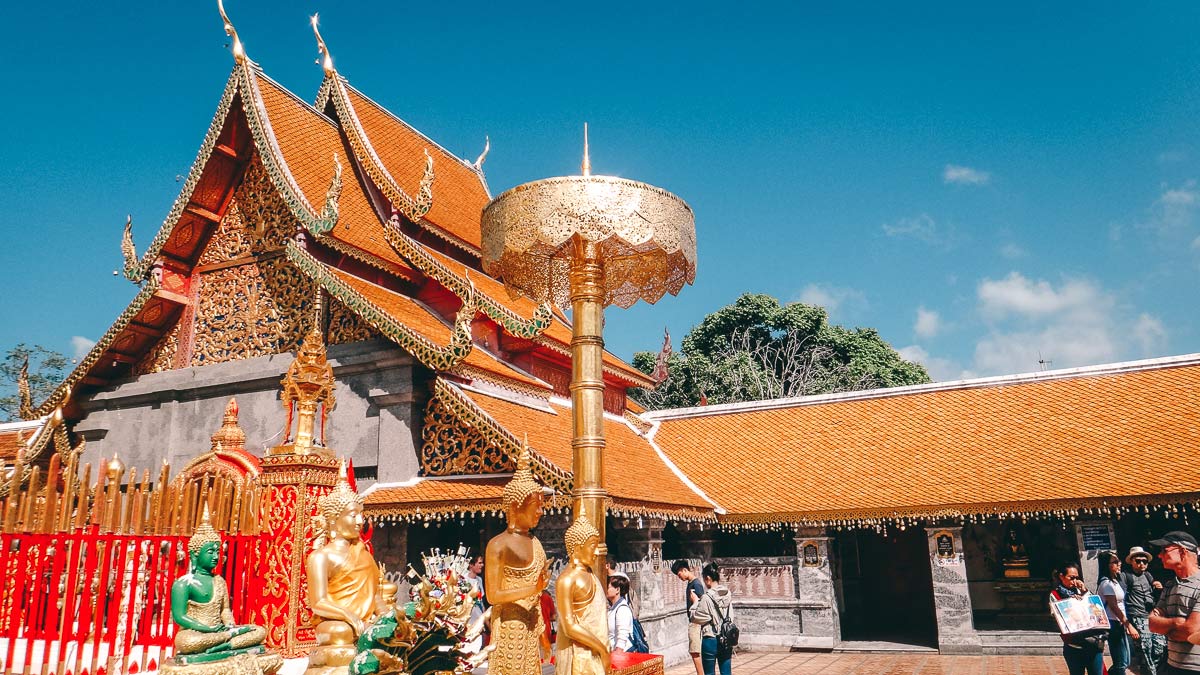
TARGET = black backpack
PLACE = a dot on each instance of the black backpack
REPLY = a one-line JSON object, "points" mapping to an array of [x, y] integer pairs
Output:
{"points": [[727, 631], [637, 635]]}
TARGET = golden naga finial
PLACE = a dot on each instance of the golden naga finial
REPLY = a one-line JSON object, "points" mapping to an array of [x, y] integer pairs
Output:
{"points": [[522, 484], [587, 160], [487, 147], [24, 396], [326, 60], [127, 249], [239, 52], [205, 533]]}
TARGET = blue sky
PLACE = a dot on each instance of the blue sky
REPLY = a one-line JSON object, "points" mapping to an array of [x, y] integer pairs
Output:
{"points": [[987, 186]]}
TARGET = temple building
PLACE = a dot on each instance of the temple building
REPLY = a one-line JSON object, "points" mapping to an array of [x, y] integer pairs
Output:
{"points": [[953, 501]]}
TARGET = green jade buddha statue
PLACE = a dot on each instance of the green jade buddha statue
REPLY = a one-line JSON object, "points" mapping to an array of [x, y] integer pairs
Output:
{"points": [[200, 607]]}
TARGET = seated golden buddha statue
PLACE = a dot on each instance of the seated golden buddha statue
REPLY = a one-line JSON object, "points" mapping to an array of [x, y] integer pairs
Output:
{"points": [[200, 607], [582, 607], [516, 572], [343, 579]]}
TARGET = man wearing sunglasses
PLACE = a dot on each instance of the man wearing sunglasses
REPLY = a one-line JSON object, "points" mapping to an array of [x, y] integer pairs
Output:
{"points": [[1140, 591], [1177, 614]]}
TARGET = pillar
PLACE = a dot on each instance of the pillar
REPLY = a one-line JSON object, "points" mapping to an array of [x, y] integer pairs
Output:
{"points": [[1092, 537], [951, 595], [292, 485], [814, 586]]}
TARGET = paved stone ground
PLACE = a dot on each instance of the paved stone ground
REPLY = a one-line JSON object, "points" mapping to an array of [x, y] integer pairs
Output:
{"points": [[808, 663]]}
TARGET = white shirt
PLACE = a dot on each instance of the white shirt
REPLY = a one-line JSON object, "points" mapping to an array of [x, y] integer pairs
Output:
{"points": [[620, 625], [1111, 589]]}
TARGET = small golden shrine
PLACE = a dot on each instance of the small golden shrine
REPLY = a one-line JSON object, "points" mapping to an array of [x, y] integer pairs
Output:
{"points": [[307, 385]]}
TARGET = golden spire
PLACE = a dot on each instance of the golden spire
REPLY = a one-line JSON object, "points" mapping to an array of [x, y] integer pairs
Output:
{"points": [[24, 397], [230, 436], [307, 385], [522, 484], [587, 160], [239, 52], [204, 534], [326, 60]]}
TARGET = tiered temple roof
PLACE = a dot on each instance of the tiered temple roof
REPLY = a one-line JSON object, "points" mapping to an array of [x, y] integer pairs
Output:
{"points": [[388, 224]]}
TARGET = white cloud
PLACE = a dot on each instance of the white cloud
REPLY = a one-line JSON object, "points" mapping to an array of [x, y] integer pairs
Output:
{"points": [[832, 298], [1013, 251], [922, 228], [1036, 324], [1171, 156], [1015, 295], [1175, 209], [965, 175], [941, 370], [929, 323], [81, 346], [1150, 334]]}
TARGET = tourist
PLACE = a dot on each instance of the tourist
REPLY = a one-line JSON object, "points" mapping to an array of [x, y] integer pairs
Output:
{"points": [[693, 589], [620, 613], [1121, 630], [474, 576], [1140, 591], [1081, 652], [1177, 614], [713, 608]]}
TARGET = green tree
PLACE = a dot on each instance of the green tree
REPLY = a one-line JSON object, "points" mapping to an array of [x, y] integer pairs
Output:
{"points": [[758, 348], [47, 368]]}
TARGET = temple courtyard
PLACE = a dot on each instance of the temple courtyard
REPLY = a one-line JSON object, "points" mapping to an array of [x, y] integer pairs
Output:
{"points": [[843, 663]]}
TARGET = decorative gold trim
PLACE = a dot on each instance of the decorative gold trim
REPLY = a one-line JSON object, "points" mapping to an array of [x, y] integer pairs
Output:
{"points": [[415, 253], [883, 517], [473, 415], [242, 80], [431, 355], [643, 427], [473, 373], [364, 257], [427, 511]]}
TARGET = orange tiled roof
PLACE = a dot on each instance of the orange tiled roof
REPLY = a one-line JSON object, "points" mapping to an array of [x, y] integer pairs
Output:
{"points": [[11, 442], [558, 332], [421, 319], [459, 193], [633, 471], [1121, 432], [308, 141]]}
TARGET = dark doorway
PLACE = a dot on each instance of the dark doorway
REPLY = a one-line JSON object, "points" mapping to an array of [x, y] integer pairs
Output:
{"points": [[887, 587]]}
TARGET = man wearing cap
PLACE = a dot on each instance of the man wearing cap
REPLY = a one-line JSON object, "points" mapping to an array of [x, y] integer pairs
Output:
{"points": [[1140, 588], [1177, 614]]}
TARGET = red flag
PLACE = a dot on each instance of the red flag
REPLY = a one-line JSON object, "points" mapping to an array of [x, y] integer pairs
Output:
{"points": [[660, 373]]}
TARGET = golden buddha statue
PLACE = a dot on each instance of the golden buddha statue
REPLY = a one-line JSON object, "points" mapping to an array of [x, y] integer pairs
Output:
{"points": [[582, 607], [343, 579], [516, 573], [200, 607]]}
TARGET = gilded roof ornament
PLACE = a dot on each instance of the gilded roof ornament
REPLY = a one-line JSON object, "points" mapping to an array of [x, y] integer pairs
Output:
{"points": [[487, 147], [239, 52], [127, 249], [204, 534], [326, 60], [26, 411]]}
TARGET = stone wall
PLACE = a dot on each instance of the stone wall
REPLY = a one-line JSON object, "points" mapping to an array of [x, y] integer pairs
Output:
{"points": [[171, 415]]}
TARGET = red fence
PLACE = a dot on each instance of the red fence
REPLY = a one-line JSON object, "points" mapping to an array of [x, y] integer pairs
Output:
{"points": [[87, 602]]}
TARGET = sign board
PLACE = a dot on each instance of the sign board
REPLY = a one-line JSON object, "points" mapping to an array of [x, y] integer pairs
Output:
{"points": [[1096, 537], [945, 544]]}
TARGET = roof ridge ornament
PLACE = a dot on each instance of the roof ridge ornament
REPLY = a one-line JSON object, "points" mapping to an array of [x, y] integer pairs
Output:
{"points": [[128, 251], [326, 59], [239, 52], [487, 147]]}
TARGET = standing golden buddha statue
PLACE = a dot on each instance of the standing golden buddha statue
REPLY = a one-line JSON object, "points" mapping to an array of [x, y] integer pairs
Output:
{"points": [[516, 573], [343, 579], [582, 607]]}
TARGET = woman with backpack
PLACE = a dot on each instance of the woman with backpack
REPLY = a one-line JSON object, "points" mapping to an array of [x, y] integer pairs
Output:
{"points": [[1111, 590], [711, 613], [620, 613]]}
